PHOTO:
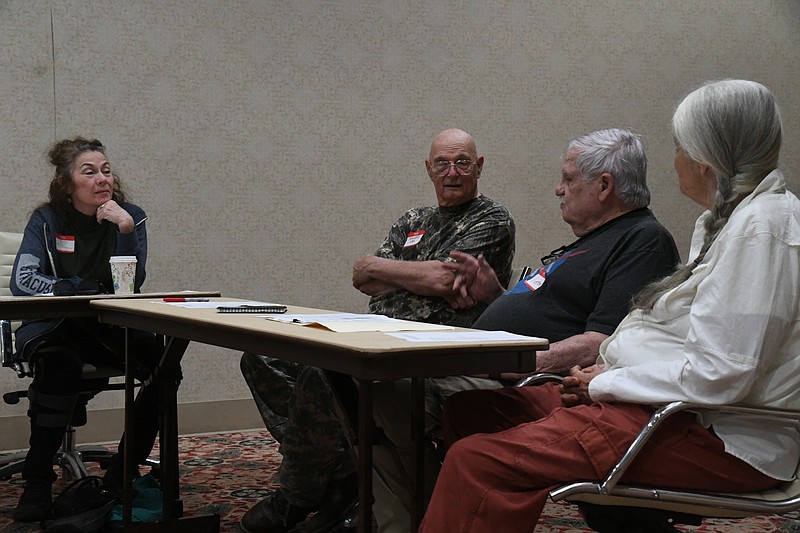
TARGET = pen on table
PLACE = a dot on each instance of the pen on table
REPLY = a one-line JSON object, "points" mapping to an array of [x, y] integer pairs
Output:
{"points": [[186, 299]]}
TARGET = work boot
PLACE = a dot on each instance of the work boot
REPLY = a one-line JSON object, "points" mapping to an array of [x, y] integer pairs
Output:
{"points": [[273, 514], [36, 502], [340, 499]]}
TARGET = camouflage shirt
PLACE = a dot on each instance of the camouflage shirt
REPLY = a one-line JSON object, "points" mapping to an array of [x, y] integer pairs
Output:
{"points": [[480, 226]]}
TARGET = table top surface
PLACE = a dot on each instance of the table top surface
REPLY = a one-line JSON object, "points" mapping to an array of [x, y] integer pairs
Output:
{"points": [[24, 307], [367, 354], [366, 341]]}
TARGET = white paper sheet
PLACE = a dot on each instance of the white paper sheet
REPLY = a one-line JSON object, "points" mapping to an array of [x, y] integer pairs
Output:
{"points": [[352, 322], [463, 336]]}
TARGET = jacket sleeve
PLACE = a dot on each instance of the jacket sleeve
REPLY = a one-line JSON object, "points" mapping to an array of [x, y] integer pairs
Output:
{"points": [[32, 273], [135, 243]]}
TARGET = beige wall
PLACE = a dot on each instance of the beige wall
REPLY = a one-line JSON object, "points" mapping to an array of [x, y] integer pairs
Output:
{"points": [[274, 142]]}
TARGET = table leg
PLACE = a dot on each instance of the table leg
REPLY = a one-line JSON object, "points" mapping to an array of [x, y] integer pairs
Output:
{"points": [[418, 436], [366, 430], [166, 378], [363, 419], [127, 457]]}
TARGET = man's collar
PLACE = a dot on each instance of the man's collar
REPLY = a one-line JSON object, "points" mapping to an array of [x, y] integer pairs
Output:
{"points": [[460, 208]]}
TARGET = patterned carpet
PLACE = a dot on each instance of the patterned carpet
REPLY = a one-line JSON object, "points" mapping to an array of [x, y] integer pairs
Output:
{"points": [[226, 473]]}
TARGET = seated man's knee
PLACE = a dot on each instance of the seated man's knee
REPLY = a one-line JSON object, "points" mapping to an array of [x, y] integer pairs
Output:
{"points": [[257, 368], [392, 400], [246, 362]]}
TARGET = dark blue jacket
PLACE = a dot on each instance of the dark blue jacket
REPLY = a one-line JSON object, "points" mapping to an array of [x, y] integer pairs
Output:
{"points": [[37, 265]]}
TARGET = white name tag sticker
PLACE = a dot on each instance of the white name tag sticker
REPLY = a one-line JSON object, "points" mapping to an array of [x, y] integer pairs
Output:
{"points": [[65, 244], [413, 238], [536, 280]]}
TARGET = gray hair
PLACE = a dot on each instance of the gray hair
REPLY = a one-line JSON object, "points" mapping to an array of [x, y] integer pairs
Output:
{"points": [[734, 127], [620, 153]]}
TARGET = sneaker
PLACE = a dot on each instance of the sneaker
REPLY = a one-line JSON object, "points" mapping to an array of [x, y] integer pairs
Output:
{"points": [[36, 502], [273, 514]]}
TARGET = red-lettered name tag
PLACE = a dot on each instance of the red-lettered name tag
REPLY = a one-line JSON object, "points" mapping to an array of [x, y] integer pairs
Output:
{"points": [[65, 244], [413, 238], [535, 281]]}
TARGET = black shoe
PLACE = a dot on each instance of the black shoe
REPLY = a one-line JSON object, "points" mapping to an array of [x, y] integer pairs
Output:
{"points": [[273, 514], [115, 472], [36, 502], [340, 499]]}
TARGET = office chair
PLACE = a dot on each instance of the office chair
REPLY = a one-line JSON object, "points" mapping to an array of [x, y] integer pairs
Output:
{"points": [[609, 507], [71, 457]]}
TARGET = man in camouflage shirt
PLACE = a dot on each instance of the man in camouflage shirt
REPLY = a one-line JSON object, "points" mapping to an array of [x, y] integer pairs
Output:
{"points": [[406, 280]]}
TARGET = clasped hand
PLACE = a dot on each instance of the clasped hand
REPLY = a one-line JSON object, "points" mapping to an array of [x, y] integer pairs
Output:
{"points": [[575, 386], [475, 280]]}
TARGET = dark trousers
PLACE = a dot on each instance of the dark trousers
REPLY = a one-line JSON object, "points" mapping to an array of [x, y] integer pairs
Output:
{"points": [[57, 387]]}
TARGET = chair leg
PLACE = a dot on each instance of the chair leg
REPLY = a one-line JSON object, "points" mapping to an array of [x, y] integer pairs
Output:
{"points": [[71, 466], [11, 464], [71, 457], [621, 519]]}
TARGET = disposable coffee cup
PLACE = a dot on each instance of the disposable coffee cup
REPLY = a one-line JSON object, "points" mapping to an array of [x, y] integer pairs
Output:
{"points": [[123, 273]]}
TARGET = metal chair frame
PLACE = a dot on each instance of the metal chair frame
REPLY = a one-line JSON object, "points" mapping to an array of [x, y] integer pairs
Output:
{"points": [[666, 506], [781, 499]]}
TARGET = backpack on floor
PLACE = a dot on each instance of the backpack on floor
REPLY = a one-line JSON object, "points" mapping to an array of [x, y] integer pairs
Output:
{"points": [[84, 506]]}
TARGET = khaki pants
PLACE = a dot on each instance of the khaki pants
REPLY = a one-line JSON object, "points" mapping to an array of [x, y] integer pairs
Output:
{"points": [[392, 410]]}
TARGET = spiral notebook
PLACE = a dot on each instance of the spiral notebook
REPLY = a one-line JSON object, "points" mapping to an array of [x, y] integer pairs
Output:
{"points": [[263, 309]]}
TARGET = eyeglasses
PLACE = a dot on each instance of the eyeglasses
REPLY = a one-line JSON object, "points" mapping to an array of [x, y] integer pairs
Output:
{"points": [[68, 287], [556, 254], [462, 166]]}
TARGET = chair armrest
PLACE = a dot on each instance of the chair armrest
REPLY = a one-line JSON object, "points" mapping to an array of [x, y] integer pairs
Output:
{"points": [[6, 343], [662, 413], [7, 350], [539, 378], [13, 398]]}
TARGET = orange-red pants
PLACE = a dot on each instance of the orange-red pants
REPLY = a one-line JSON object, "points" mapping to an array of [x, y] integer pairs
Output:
{"points": [[509, 447]]}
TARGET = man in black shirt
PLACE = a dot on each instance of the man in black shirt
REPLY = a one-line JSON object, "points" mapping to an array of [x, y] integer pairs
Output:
{"points": [[575, 298]]}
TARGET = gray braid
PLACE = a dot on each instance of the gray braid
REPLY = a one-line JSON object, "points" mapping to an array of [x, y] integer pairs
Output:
{"points": [[734, 127]]}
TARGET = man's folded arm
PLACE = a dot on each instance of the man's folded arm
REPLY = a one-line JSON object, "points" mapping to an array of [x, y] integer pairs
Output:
{"points": [[378, 275]]}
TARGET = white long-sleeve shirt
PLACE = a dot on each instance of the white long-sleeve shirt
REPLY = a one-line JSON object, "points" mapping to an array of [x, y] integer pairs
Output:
{"points": [[729, 334]]}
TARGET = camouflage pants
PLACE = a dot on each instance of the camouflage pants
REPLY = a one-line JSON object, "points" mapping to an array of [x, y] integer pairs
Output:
{"points": [[297, 405]]}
